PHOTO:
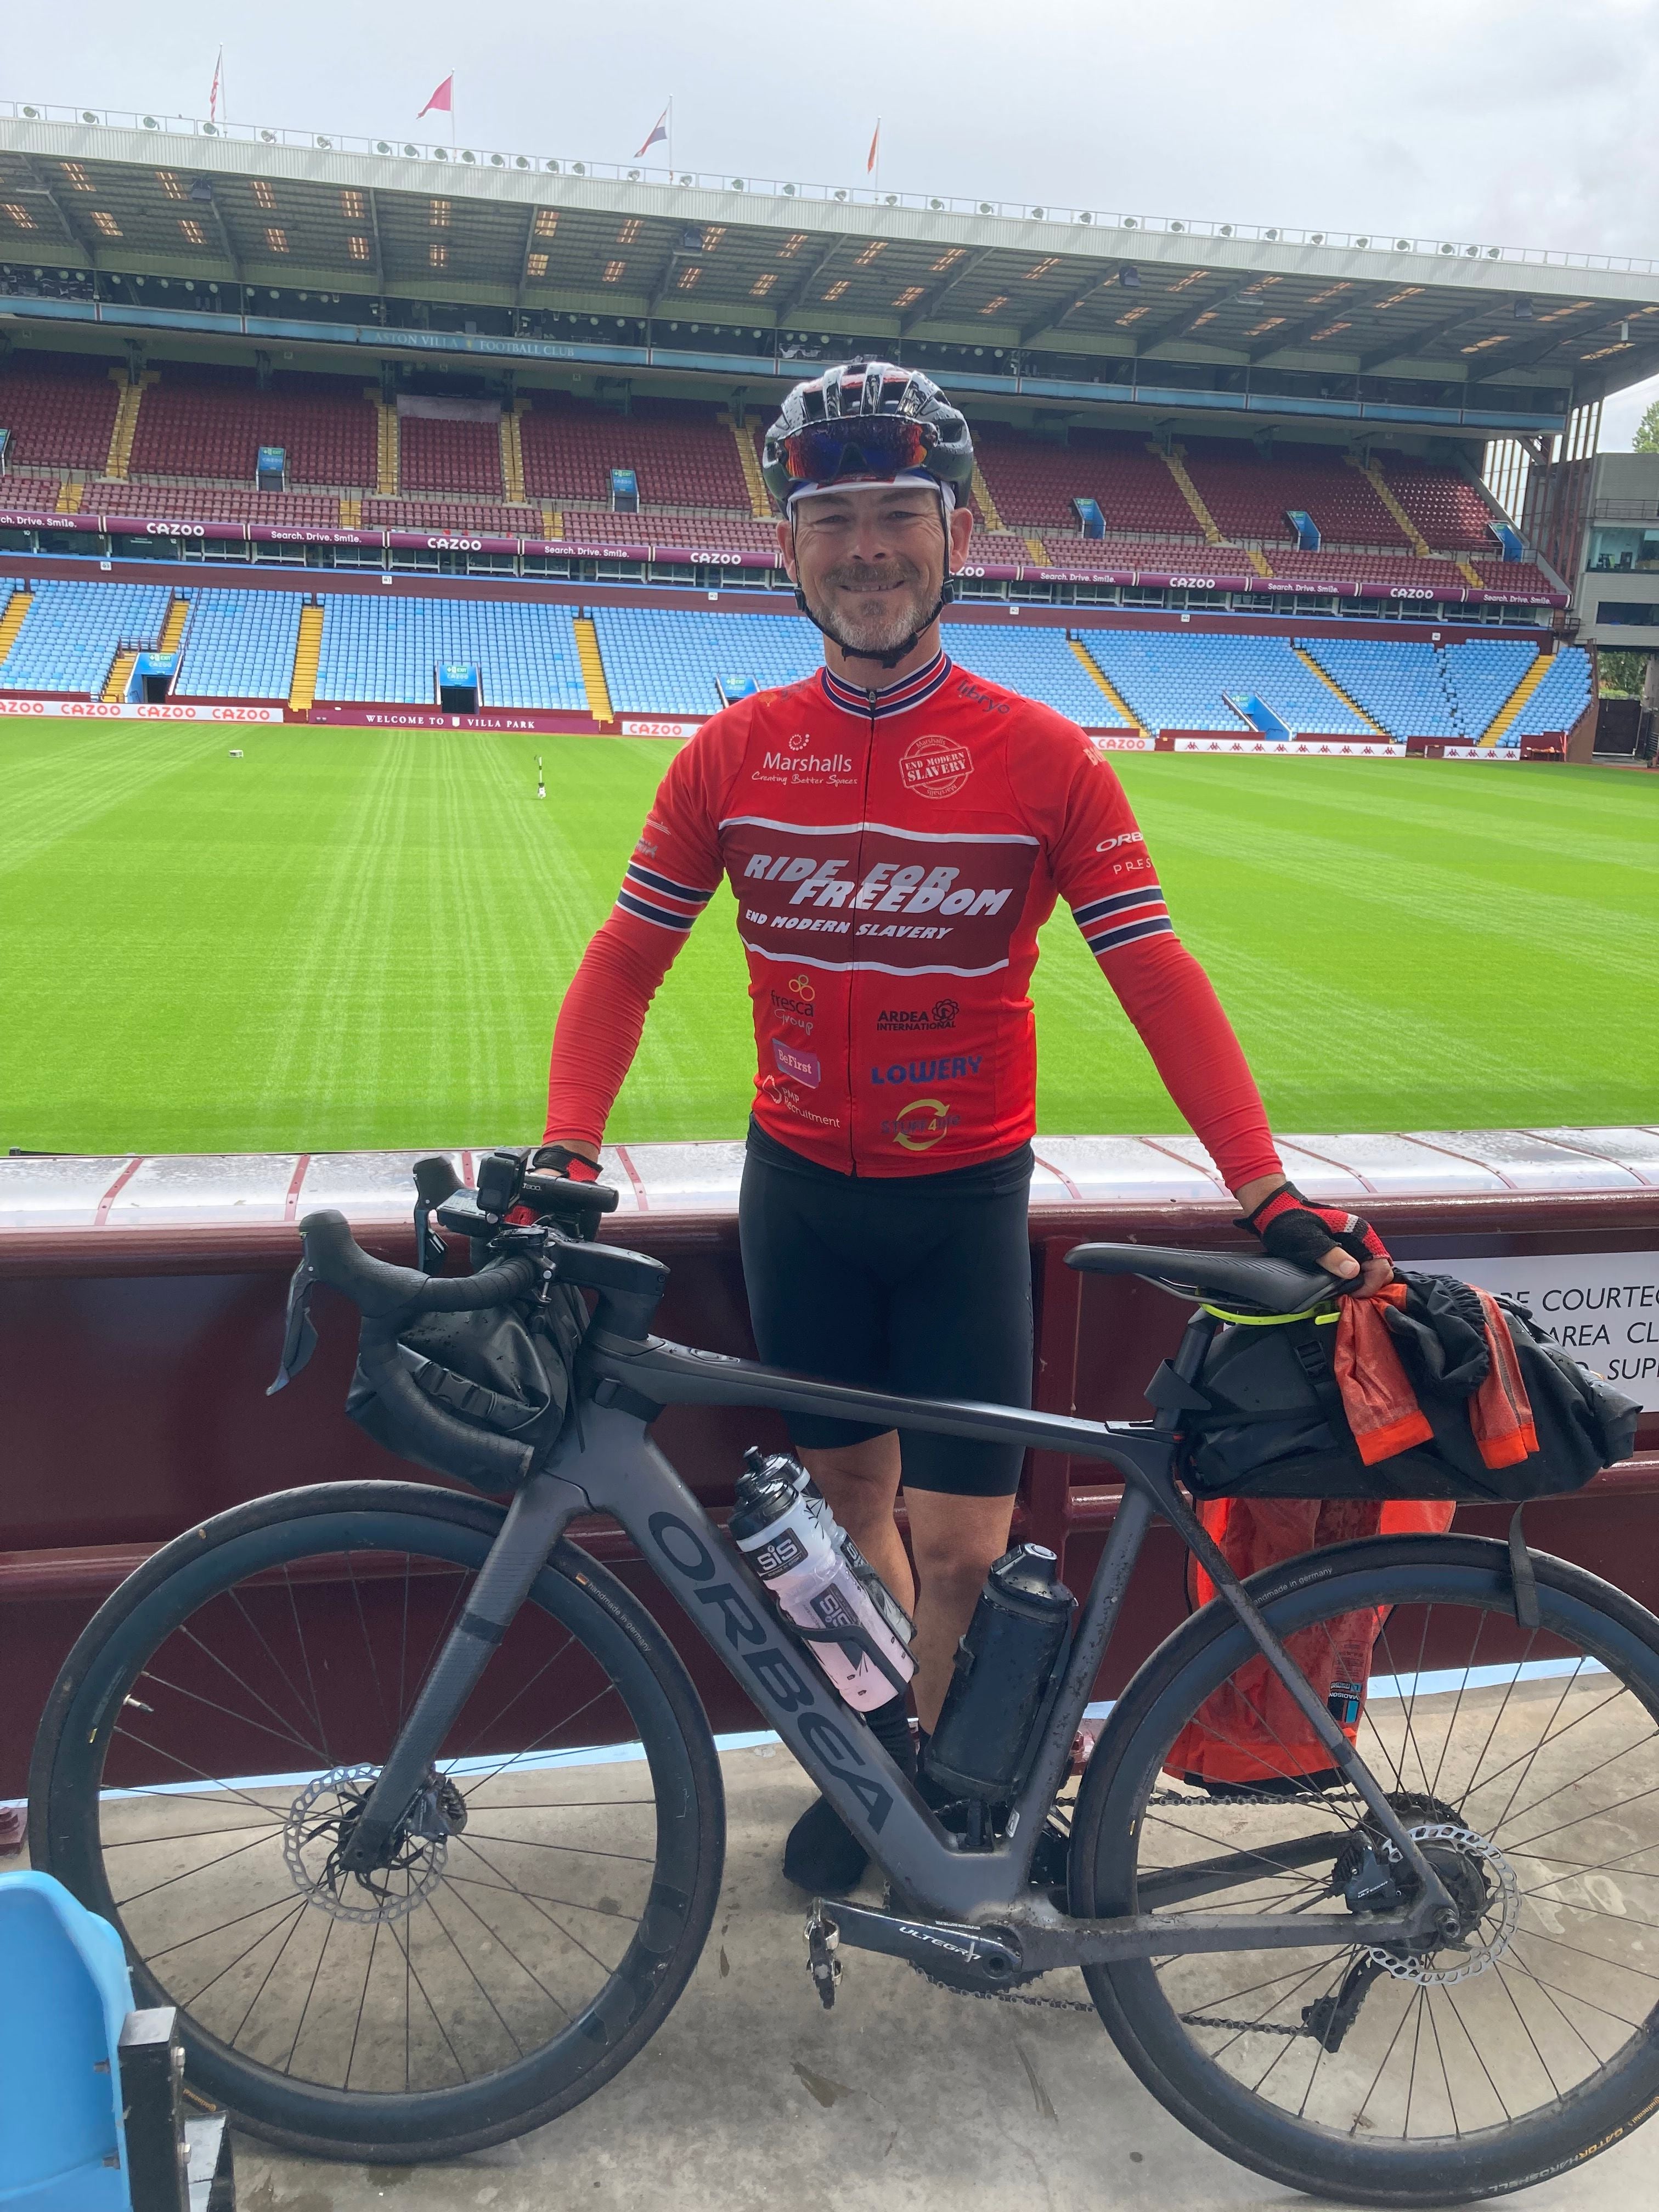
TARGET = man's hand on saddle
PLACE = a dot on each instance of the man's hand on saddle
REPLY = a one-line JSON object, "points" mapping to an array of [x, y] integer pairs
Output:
{"points": [[1309, 1235]]}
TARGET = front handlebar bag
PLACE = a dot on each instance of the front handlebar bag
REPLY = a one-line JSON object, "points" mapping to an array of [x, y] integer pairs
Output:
{"points": [[1275, 1426], [495, 1372]]}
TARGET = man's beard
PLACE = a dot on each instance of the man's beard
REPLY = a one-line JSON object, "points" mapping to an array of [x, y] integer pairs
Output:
{"points": [[882, 623]]}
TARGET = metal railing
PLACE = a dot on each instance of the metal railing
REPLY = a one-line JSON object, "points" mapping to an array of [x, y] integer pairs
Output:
{"points": [[1386, 244]]}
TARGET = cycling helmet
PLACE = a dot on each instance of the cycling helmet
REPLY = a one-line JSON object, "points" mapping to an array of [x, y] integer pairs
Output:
{"points": [[866, 418]]}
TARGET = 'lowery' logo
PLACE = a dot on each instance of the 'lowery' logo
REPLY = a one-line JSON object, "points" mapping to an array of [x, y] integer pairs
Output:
{"points": [[936, 767], [926, 1070]]}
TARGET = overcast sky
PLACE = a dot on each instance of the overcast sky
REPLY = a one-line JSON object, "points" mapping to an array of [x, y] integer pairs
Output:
{"points": [[1522, 122]]}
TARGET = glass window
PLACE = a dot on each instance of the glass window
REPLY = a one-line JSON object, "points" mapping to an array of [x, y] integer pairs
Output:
{"points": [[1611, 549]]}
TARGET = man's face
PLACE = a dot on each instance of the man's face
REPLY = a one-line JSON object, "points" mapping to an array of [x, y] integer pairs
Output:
{"points": [[871, 564]]}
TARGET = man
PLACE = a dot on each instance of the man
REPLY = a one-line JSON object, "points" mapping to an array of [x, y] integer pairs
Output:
{"points": [[895, 830]]}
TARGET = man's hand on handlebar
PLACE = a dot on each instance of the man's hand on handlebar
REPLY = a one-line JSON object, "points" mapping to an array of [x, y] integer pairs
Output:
{"points": [[1298, 1229]]}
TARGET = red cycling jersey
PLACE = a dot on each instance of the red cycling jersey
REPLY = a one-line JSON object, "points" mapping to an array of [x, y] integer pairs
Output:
{"points": [[893, 853]]}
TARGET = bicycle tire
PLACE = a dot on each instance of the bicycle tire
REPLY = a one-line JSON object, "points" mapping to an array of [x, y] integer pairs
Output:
{"points": [[1129, 1764], [610, 1630]]}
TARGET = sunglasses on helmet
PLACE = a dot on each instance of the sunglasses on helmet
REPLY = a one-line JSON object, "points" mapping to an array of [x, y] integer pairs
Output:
{"points": [[868, 445]]}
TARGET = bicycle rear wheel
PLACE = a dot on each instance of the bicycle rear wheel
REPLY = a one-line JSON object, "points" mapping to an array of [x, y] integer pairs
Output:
{"points": [[218, 1723], [1527, 1763]]}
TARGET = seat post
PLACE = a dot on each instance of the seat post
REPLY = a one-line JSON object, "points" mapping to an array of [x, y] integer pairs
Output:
{"points": [[1195, 1341]]}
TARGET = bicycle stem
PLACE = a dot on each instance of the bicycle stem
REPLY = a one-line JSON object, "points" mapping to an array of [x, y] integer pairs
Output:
{"points": [[535, 1520]]}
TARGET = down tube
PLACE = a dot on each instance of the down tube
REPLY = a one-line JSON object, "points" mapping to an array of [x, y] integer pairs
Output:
{"points": [[622, 1473]]}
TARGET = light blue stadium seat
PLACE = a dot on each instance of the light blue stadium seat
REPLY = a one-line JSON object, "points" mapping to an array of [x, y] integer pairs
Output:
{"points": [[73, 631], [239, 645]]}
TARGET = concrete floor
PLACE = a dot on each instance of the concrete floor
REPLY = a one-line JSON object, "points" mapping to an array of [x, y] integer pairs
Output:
{"points": [[751, 2098]]}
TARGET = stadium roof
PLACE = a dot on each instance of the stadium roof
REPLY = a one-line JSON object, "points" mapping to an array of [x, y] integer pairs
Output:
{"points": [[168, 197]]}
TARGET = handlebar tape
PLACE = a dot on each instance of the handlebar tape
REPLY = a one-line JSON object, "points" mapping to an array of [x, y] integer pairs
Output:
{"points": [[380, 1288]]}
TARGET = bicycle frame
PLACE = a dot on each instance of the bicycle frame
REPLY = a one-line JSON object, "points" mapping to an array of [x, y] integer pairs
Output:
{"points": [[605, 1463]]}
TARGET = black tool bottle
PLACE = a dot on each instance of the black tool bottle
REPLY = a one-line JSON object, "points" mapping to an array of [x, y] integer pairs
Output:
{"points": [[1004, 1667]]}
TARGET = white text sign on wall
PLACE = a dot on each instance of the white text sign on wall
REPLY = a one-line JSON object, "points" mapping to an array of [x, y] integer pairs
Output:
{"points": [[1602, 1307]]}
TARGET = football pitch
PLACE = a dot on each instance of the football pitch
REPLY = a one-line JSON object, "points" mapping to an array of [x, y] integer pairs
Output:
{"points": [[357, 938]]}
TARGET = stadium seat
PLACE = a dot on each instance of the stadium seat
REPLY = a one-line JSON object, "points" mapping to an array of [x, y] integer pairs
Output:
{"points": [[221, 503], [663, 662], [1250, 492], [1444, 505], [449, 517], [239, 645], [1178, 683], [1563, 694], [683, 455], [60, 410], [438, 456], [73, 631], [1033, 482], [525, 653], [204, 423]]}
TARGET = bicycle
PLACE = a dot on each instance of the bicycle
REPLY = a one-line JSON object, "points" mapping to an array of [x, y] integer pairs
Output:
{"points": [[412, 1810]]}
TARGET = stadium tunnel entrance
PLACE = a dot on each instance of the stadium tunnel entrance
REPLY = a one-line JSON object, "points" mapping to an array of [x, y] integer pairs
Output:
{"points": [[458, 689]]}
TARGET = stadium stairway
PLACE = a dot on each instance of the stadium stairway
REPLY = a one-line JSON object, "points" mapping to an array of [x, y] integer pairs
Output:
{"points": [[1372, 472], [984, 502], [512, 452], [68, 498], [118, 460], [306, 655], [1351, 704], [593, 665], [120, 674], [386, 446], [1467, 569], [1518, 699], [1037, 550], [1119, 707], [351, 511], [1258, 560], [760, 500], [12, 620], [552, 522], [173, 629], [1175, 460]]}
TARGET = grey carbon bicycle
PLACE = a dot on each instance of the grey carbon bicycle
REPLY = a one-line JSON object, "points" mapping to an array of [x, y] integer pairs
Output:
{"points": [[408, 1805]]}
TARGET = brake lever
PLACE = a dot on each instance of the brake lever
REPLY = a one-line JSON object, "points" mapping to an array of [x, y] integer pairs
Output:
{"points": [[299, 1332]]}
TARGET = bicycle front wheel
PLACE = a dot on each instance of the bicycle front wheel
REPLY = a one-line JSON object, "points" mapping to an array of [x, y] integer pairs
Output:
{"points": [[224, 1714], [1527, 1764]]}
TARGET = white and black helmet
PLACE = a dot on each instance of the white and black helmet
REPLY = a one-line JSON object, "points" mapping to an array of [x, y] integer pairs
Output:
{"points": [[866, 418]]}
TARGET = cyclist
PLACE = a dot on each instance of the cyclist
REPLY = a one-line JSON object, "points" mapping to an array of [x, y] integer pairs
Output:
{"points": [[895, 830]]}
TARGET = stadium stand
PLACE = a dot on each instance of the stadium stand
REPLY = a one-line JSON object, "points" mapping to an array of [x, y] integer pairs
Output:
{"points": [[196, 503], [73, 631], [1329, 571], [60, 410], [1039, 663], [682, 454], [659, 662], [1481, 673], [1250, 492], [730, 534], [239, 645], [525, 655], [1450, 693], [1178, 683], [197, 423], [451, 517], [1444, 505], [1033, 481], [1561, 697], [439, 456]]}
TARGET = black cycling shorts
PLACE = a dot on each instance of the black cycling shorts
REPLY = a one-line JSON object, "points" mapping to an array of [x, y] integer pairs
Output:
{"points": [[920, 1284]]}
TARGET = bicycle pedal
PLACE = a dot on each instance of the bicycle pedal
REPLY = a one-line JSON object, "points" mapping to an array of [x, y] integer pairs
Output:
{"points": [[822, 1944]]}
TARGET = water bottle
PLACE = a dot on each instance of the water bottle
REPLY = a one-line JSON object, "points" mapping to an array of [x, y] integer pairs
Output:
{"points": [[1004, 1666], [819, 1579]]}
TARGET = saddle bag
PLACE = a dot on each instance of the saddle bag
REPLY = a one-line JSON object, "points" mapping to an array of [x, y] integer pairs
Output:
{"points": [[1276, 1425]]}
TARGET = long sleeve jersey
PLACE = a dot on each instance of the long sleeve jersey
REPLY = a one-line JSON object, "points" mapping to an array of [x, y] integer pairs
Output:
{"points": [[893, 853]]}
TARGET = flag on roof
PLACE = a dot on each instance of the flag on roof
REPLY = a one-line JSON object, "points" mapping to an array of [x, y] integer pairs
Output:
{"points": [[875, 150], [443, 101], [659, 133], [213, 96]]}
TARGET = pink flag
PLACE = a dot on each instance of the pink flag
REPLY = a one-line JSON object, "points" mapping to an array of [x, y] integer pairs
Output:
{"points": [[659, 133], [443, 100], [875, 151]]}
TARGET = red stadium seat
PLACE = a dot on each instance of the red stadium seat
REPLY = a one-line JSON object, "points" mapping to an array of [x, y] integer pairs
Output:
{"points": [[449, 457], [681, 454]]}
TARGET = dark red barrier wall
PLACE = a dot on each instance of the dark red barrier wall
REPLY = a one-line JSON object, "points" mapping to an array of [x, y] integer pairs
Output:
{"points": [[137, 1362]]}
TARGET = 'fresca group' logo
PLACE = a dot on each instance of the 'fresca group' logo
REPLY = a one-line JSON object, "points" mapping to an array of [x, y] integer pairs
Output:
{"points": [[935, 766], [795, 1005], [919, 1124]]}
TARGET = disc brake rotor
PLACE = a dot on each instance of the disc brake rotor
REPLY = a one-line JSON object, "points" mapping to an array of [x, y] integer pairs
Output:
{"points": [[322, 1817], [1486, 1893]]}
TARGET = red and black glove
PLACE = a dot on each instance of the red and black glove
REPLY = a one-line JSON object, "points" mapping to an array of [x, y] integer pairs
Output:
{"points": [[1296, 1228], [575, 1167]]}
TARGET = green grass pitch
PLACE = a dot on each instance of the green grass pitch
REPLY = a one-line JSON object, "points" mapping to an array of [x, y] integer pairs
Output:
{"points": [[352, 939]]}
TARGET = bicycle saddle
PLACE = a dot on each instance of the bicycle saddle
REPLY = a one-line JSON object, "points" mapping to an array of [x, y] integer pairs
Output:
{"points": [[1237, 1278]]}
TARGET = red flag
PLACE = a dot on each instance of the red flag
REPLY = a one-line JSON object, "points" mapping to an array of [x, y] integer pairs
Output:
{"points": [[659, 133], [443, 100], [213, 96], [875, 151]]}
